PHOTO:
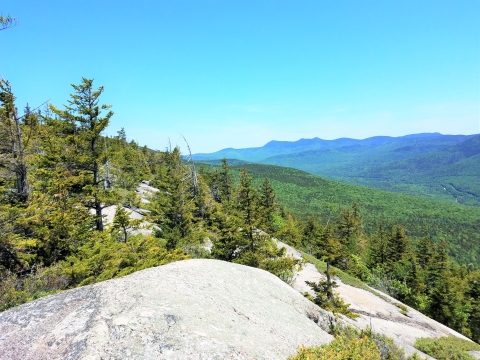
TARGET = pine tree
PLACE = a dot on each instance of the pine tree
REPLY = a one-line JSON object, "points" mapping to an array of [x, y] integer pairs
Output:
{"points": [[248, 210], [328, 249], [7, 22], [83, 118], [425, 252], [350, 228], [473, 294], [398, 247], [290, 230], [378, 248], [173, 205], [229, 244], [447, 303], [225, 182], [415, 284], [122, 221], [311, 231], [267, 204]]}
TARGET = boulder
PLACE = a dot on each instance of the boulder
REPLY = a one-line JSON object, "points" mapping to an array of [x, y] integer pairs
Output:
{"points": [[193, 309]]}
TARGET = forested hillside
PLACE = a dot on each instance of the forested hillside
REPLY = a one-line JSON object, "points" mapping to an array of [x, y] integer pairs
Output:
{"points": [[435, 166], [451, 173], [59, 174], [304, 194], [374, 242]]}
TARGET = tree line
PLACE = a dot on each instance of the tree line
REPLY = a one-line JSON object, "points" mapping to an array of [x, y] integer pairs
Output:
{"points": [[58, 174]]}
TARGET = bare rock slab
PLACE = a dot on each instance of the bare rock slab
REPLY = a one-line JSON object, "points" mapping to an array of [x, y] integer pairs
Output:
{"points": [[193, 309]]}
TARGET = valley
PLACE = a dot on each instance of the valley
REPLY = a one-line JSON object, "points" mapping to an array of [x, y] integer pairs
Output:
{"points": [[434, 166]]}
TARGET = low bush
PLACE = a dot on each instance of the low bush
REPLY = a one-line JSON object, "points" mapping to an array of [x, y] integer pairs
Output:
{"points": [[355, 344], [447, 348]]}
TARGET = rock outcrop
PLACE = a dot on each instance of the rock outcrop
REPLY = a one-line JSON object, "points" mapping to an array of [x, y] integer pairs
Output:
{"points": [[193, 309], [377, 310]]}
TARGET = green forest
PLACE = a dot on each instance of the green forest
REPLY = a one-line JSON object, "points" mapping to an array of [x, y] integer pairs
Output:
{"points": [[433, 166], [305, 194], [58, 174]]}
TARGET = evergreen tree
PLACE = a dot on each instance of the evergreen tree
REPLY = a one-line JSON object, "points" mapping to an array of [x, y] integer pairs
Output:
{"points": [[267, 204], [378, 248], [328, 249], [84, 120], [225, 182], [473, 295], [122, 222], [398, 247], [425, 252], [311, 232], [173, 205], [447, 303], [289, 230], [415, 285], [350, 228], [248, 210], [229, 244], [7, 22]]}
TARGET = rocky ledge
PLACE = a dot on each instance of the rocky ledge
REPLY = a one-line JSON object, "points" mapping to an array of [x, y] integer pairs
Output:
{"points": [[193, 309]]}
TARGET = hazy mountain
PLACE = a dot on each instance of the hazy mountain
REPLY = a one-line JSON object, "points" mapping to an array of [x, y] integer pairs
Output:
{"points": [[443, 167]]}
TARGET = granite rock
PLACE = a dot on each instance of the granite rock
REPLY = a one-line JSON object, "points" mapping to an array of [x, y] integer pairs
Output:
{"points": [[193, 309]]}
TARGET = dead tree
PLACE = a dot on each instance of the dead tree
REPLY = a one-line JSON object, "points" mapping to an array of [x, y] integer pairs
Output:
{"points": [[12, 147], [193, 172]]}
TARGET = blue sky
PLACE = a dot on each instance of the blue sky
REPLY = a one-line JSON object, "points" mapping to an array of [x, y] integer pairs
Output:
{"points": [[241, 73]]}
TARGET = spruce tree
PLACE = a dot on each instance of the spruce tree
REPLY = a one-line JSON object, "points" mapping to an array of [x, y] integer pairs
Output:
{"points": [[248, 209], [329, 249], [398, 247], [83, 117], [378, 247], [122, 222], [173, 205], [350, 228], [311, 231], [425, 252], [225, 182], [267, 204]]}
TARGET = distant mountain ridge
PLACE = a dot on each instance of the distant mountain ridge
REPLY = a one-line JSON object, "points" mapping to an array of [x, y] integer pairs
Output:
{"points": [[432, 165]]}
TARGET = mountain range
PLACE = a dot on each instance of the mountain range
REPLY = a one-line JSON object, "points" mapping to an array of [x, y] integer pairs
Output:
{"points": [[432, 165]]}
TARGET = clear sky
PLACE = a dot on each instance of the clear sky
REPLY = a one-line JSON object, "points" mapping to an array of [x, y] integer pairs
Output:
{"points": [[239, 73]]}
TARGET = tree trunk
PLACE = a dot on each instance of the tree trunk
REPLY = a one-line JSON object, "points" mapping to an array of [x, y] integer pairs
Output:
{"points": [[329, 282], [20, 166], [98, 204]]}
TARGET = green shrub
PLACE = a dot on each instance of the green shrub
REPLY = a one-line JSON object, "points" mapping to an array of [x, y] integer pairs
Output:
{"points": [[353, 344], [340, 349], [403, 308], [447, 348], [107, 258], [16, 290], [10, 291]]}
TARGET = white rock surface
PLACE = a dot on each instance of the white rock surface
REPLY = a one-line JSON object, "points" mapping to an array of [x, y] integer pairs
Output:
{"points": [[146, 191], [193, 309], [383, 316]]}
